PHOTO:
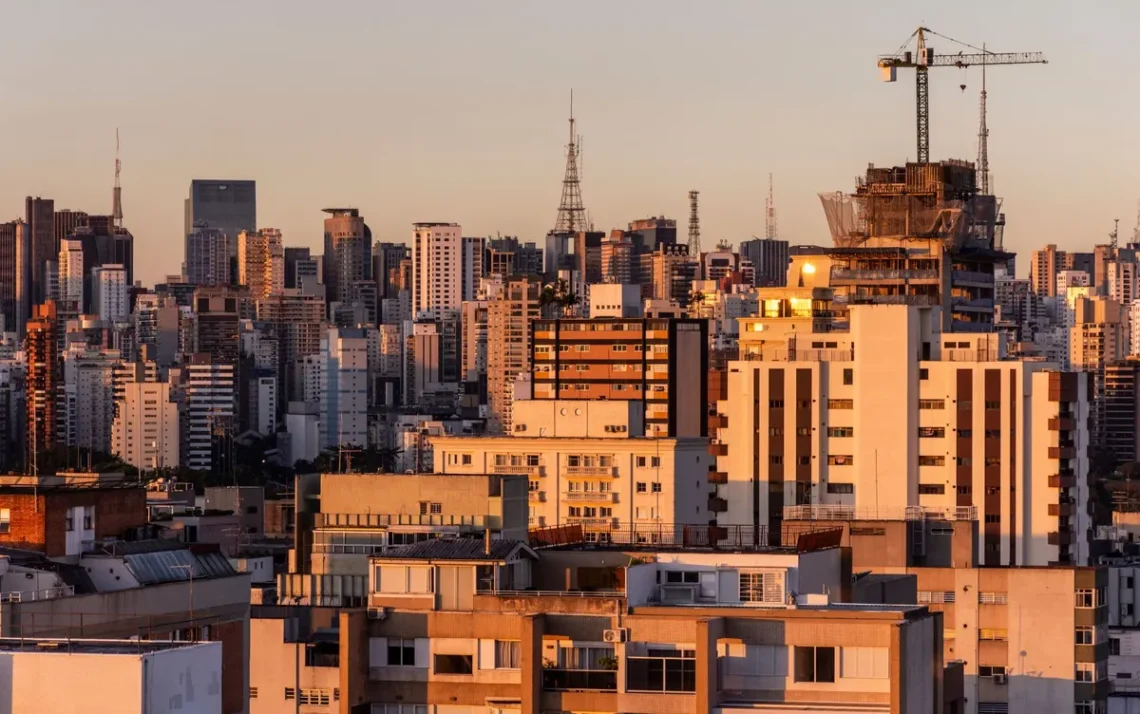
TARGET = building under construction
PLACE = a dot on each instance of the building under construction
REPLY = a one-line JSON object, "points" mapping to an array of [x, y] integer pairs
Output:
{"points": [[918, 234]]}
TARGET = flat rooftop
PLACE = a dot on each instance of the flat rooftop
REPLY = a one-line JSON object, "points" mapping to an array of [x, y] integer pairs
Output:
{"points": [[793, 538], [110, 647]]}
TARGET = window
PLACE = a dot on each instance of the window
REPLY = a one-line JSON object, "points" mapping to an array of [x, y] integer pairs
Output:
{"points": [[315, 697], [839, 432], [965, 433], [931, 489], [775, 403], [465, 459], [840, 460], [453, 664], [848, 379], [290, 694], [656, 488], [993, 434], [927, 597], [641, 461], [775, 431], [923, 374], [508, 654], [993, 404], [841, 488], [759, 586], [993, 634], [662, 670], [401, 653], [1087, 598], [641, 487], [1084, 636], [931, 432], [1085, 672], [964, 461], [931, 460], [1126, 581], [990, 670], [931, 403], [840, 403], [815, 664], [253, 692], [1114, 646], [776, 460], [803, 460], [803, 431], [436, 509]]}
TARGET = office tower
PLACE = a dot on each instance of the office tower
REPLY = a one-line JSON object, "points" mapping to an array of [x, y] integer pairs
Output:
{"points": [[42, 248], [157, 326], [649, 234], [386, 260], [297, 323], [422, 380], [473, 367], [208, 399], [660, 363], [587, 260], [291, 256], [344, 389], [617, 256], [10, 234], [65, 223], [366, 303], [509, 315], [261, 262], [1122, 410], [70, 299], [895, 418], [769, 258], [507, 256], [437, 252], [109, 293], [217, 315], [1043, 270], [43, 378], [472, 266], [145, 432], [207, 255], [670, 272], [226, 205], [308, 277], [348, 253]]}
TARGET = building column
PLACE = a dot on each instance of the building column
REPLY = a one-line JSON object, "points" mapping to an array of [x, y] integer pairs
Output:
{"points": [[709, 630], [533, 627]]}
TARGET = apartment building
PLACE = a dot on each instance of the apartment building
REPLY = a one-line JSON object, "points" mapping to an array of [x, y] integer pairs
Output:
{"points": [[894, 414], [1043, 268], [342, 519], [343, 388], [145, 431], [659, 363], [510, 312], [494, 626], [348, 253], [437, 266], [591, 463], [109, 294], [261, 262], [206, 391]]}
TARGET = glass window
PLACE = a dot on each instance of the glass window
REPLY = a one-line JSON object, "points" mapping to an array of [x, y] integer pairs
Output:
{"points": [[508, 654], [815, 664]]}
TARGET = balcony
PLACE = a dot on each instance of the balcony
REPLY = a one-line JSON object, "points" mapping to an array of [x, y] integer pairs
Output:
{"points": [[1061, 481], [590, 471], [718, 421], [1061, 424], [595, 496], [1062, 452], [858, 275], [1061, 509], [716, 449], [1060, 538], [596, 680], [525, 470], [717, 505], [959, 277], [977, 304], [588, 521], [538, 496], [718, 477]]}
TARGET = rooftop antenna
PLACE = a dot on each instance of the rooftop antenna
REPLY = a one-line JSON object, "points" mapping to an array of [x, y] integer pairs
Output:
{"points": [[1115, 235], [117, 196], [1136, 228], [770, 212], [694, 226], [983, 137], [571, 213]]}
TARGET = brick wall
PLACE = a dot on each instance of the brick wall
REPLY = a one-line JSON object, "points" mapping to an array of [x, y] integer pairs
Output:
{"points": [[26, 529], [38, 522]]}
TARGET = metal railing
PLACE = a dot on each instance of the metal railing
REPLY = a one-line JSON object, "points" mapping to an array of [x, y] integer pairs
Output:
{"points": [[821, 512], [590, 470], [889, 274], [784, 355], [602, 680], [380, 520], [606, 496], [971, 276], [33, 595], [559, 593], [516, 469], [666, 536]]}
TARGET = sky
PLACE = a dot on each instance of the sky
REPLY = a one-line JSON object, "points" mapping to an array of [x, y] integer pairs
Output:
{"points": [[457, 111]]}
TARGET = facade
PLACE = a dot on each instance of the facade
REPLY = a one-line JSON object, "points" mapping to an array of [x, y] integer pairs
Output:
{"points": [[109, 293], [42, 250], [1122, 409], [509, 316], [42, 348], [297, 322], [87, 406], [145, 432], [208, 255], [207, 399], [660, 363], [290, 257], [261, 262], [437, 267], [590, 464], [70, 298], [1043, 269], [958, 428], [343, 388], [11, 233], [769, 258], [228, 205], [348, 253], [472, 266]]}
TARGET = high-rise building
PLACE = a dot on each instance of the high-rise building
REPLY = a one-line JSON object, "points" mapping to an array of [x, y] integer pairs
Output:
{"points": [[70, 299], [507, 256], [208, 399], [1043, 270], [895, 419], [344, 389], [1098, 337], [10, 235], [386, 260], [145, 432], [42, 248], [473, 267], [1122, 409], [88, 397], [291, 256], [207, 255], [1122, 281], [218, 315], [157, 321], [437, 264], [66, 222], [42, 348], [261, 262], [649, 234], [297, 323], [109, 298], [769, 258], [229, 206], [660, 363], [348, 253], [473, 328], [617, 256], [509, 314]]}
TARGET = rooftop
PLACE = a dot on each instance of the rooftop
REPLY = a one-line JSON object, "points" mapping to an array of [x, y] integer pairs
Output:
{"points": [[471, 549], [110, 647], [798, 538]]}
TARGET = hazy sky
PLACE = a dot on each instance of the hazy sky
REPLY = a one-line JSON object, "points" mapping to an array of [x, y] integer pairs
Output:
{"points": [[421, 110]]}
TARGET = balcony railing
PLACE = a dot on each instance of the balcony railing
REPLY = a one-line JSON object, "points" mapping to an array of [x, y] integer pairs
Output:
{"points": [[1062, 481], [598, 680], [33, 595], [590, 470], [591, 520], [820, 512], [841, 274], [523, 469], [596, 496], [382, 520]]}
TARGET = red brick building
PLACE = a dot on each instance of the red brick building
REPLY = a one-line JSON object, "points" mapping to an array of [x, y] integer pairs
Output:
{"points": [[56, 516]]}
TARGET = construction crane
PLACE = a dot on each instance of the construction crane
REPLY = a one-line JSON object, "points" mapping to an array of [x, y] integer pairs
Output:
{"points": [[924, 58]]}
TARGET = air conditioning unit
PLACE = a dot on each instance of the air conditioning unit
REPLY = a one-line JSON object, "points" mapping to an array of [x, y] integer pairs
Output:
{"points": [[618, 635], [677, 593], [999, 679], [377, 613]]}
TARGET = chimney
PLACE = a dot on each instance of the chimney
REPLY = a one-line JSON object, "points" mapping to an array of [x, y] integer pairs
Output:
{"points": [[487, 541]]}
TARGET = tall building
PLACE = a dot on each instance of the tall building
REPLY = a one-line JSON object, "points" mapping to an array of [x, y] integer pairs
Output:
{"points": [[1043, 270], [109, 299], [261, 262], [472, 257], [70, 299], [769, 258], [157, 326], [1122, 281], [1098, 337], [660, 363], [87, 402], [437, 265], [42, 348], [506, 256], [297, 323], [10, 235], [386, 260], [207, 255], [348, 253], [42, 248], [229, 206], [290, 258], [894, 419], [650, 234], [66, 222], [208, 399], [1122, 409], [217, 323], [618, 256], [509, 314], [344, 389]]}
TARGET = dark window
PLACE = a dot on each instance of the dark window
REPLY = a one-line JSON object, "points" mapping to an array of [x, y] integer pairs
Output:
{"points": [[923, 374], [1114, 646], [251, 510], [662, 671], [815, 664], [930, 489], [848, 376], [401, 653], [453, 664], [841, 488]]}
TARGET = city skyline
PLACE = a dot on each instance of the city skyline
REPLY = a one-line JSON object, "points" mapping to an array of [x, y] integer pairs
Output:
{"points": [[747, 94]]}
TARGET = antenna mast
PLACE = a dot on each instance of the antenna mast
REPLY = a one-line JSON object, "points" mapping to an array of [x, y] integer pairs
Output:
{"points": [[770, 212], [1115, 235], [1136, 228], [694, 226], [117, 194], [571, 213], [983, 137]]}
